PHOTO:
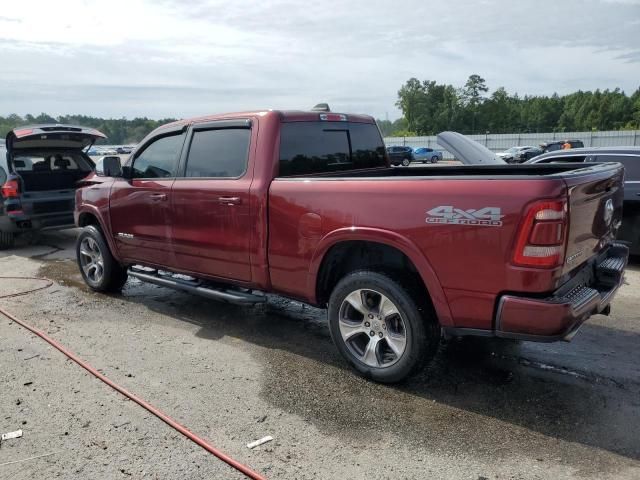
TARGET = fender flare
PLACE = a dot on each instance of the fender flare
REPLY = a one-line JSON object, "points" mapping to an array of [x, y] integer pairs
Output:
{"points": [[392, 239], [93, 210]]}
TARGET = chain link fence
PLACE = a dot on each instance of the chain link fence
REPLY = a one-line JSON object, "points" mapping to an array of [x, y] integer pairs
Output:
{"points": [[500, 142]]}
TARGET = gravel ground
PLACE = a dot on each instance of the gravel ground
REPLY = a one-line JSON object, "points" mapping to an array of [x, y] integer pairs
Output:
{"points": [[483, 410]]}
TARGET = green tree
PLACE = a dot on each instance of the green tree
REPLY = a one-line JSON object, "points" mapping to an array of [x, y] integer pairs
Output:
{"points": [[472, 96], [411, 100]]}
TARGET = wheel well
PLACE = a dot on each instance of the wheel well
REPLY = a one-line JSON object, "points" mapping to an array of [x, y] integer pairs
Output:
{"points": [[88, 219], [347, 257]]}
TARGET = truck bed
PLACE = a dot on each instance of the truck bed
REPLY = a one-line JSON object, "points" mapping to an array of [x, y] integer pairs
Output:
{"points": [[472, 261], [522, 171]]}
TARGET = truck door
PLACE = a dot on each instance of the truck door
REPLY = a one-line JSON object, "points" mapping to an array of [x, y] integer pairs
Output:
{"points": [[211, 217], [140, 206]]}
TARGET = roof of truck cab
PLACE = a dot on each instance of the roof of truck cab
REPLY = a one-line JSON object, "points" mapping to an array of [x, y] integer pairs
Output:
{"points": [[285, 115]]}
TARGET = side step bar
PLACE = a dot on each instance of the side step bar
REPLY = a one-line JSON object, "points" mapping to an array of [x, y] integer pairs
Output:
{"points": [[230, 296]]}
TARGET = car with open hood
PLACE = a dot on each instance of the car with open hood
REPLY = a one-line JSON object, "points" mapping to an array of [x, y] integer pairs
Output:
{"points": [[40, 171]]}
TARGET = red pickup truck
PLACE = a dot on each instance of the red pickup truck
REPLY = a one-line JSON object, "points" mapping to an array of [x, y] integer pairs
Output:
{"points": [[306, 205]]}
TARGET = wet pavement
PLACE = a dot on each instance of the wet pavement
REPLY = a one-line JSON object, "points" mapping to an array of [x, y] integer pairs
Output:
{"points": [[484, 408]]}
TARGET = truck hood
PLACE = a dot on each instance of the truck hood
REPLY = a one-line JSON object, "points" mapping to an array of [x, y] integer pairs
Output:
{"points": [[468, 151], [52, 136]]}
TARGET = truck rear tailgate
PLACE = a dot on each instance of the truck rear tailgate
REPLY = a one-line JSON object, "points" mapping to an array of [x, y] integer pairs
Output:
{"points": [[595, 196]]}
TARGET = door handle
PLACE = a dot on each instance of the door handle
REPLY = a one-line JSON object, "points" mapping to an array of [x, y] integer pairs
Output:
{"points": [[229, 200], [158, 196]]}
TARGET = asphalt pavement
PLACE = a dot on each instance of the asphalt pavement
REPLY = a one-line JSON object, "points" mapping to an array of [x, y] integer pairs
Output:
{"points": [[485, 409]]}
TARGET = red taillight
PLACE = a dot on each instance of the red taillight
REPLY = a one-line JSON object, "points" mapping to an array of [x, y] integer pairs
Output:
{"points": [[22, 132], [542, 234], [10, 189]]}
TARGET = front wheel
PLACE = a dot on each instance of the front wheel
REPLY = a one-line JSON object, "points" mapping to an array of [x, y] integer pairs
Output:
{"points": [[434, 159], [383, 331], [100, 271], [405, 162]]}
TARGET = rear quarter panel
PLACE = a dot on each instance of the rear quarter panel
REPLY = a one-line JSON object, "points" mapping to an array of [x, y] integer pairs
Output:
{"points": [[470, 263]]}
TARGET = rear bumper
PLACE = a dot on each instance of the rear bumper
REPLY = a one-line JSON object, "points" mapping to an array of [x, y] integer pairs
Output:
{"points": [[559, 315], [24, 223]]}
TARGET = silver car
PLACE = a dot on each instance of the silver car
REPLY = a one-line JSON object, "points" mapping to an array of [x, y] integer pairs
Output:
{"points": [[425, 154]]}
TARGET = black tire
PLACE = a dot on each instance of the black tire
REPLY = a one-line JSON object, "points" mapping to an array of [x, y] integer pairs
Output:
{"points": [[114, 275], [434, 159], [7, 240], [424, 161], [421, 330], [406, 162]]}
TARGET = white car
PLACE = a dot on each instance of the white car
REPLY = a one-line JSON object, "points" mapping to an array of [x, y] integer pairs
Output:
{"points": [[510, 154]]}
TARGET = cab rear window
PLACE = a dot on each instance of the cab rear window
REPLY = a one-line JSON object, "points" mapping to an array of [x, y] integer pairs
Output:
{"points": [[321, 147]]}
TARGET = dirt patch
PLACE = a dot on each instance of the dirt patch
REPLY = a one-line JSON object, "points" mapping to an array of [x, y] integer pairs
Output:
{"points": [[64, 272]]}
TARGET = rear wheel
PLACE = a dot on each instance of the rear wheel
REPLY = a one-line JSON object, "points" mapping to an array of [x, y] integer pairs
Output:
{"points": [[99, 269], [405, 162], [434, 159], [383, 331], [7, 240]]}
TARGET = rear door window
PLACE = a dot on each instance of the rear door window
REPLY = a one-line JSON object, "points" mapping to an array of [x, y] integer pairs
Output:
{"points": [[218, 153], [564, 159], [159, 159], [631, 165], [322, 147]]}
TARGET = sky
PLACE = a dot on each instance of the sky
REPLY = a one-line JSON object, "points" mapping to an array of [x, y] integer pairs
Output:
{"points": [[170, 58]]}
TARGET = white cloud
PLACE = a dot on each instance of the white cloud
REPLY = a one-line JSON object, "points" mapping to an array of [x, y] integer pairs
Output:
{"points": [[178, 58]]}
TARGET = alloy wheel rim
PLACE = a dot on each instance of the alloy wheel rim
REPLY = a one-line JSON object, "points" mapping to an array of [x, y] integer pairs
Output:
{"points": [[372, 328], [91, 260]]}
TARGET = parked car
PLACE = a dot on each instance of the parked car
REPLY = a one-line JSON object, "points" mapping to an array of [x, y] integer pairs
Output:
{"points": [[553, 146], [400, 155], [627, 156], [526, 154], [3, 162], [39, 175], [425, 154], [509, 155], [124, 150], [95, 152], [324, 219]]}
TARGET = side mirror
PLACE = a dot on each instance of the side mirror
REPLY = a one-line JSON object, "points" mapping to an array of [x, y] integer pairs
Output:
{"points": [[111, 167]]}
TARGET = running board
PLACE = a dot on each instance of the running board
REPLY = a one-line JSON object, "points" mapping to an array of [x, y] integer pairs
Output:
{"points": [[230, 296]]}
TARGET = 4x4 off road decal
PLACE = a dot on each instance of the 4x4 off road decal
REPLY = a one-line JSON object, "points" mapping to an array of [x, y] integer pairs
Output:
{"points": [[485, 217]]}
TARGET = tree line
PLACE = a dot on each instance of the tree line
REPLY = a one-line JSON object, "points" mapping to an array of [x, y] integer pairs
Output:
{"points": [[429, 108], [119, 131]]}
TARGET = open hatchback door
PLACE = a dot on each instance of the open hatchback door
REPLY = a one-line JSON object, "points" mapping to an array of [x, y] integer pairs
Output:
{"points": [[52, 136], [44, 165]]}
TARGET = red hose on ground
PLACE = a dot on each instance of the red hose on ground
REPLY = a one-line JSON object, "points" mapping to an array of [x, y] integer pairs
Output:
{"points": [[162, 416]]}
